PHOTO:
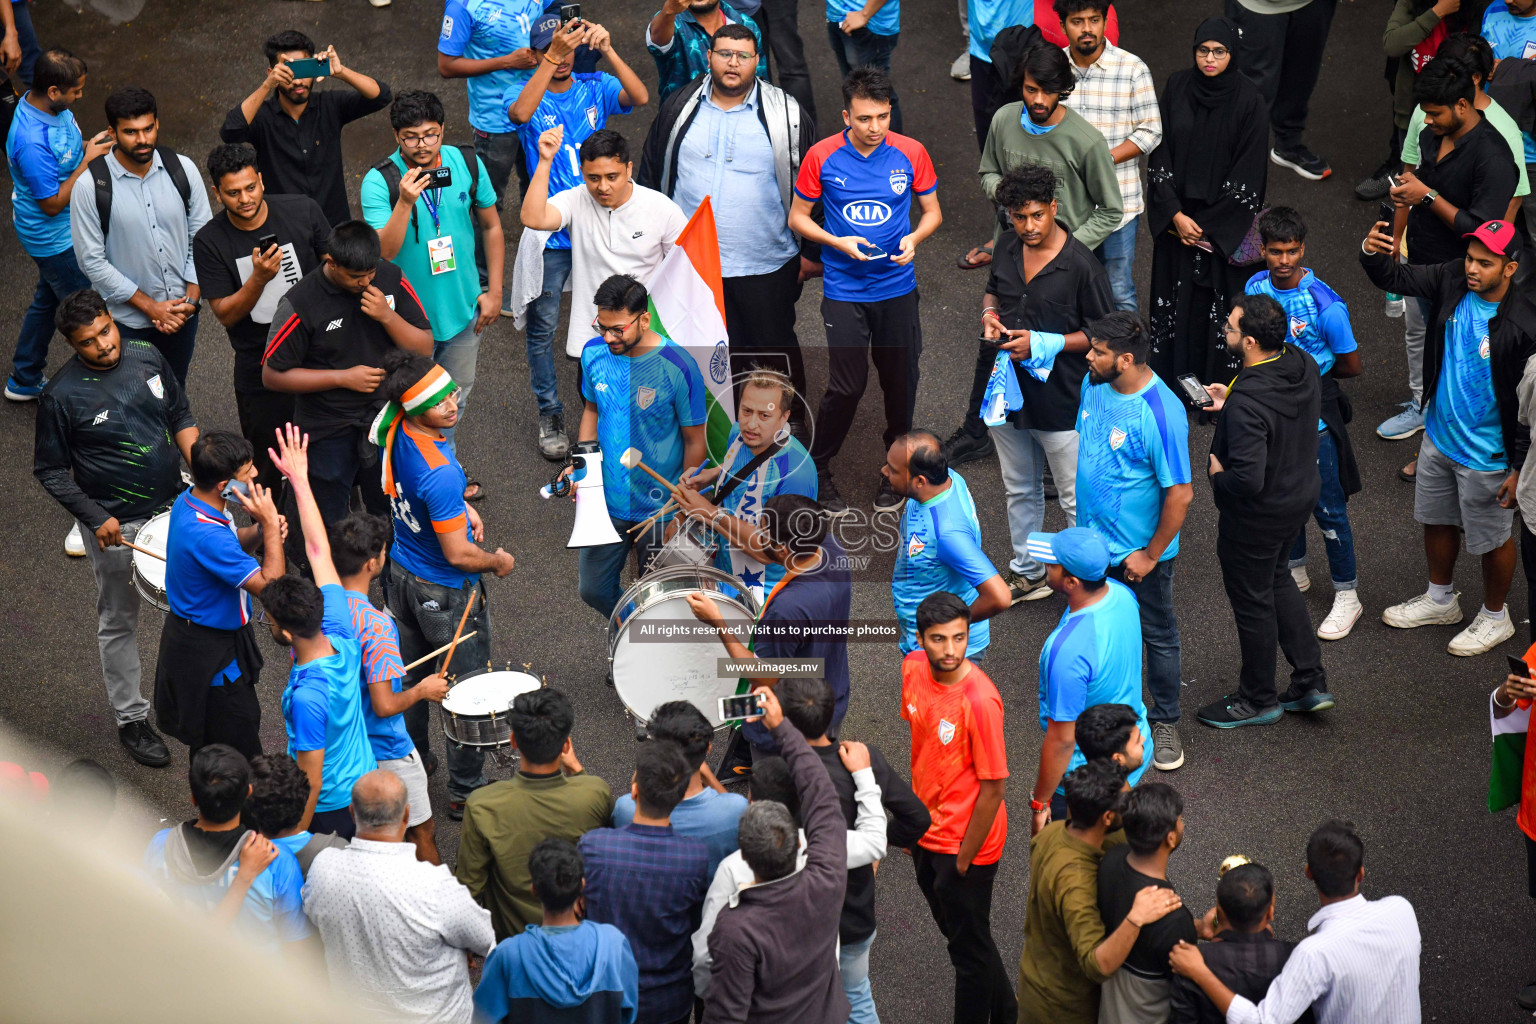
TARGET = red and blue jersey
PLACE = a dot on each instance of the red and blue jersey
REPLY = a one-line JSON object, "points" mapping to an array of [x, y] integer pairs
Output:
{"points": [[429, 501], [205, 566], [869, 196], [376, 632]]}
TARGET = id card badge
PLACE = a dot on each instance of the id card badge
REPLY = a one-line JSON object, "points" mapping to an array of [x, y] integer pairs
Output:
{"points": [[440, 255]]}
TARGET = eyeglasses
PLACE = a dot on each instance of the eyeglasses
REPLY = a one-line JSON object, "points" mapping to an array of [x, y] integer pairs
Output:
{"points": [[412, 142], [616, 331], [735, 56], [1215, 52]]}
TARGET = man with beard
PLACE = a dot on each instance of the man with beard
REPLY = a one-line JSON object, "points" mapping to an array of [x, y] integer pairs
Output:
{"points": [[247, 257], [297, 131], [1133, 462], [682, 33], [137, 250], [1040, 129]]}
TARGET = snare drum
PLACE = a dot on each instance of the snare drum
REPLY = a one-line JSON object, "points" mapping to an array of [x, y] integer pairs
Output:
{"points": [[648, 673], [477, 709], [692, 544], [149, 571]]}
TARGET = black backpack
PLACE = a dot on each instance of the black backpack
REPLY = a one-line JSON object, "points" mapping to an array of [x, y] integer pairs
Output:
{"points": [[391, 174], [103, 179]]}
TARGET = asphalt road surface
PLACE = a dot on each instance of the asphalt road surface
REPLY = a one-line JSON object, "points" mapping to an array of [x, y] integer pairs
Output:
{"points": [[1404, 755]]}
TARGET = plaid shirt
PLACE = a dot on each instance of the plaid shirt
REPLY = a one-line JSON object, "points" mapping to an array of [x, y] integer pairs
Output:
{"points": [[650, 882], [686, 57], [1115, 95]]}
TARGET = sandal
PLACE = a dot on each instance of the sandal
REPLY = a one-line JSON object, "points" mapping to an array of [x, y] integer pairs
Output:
{"points": [[473, 491], [1410, 471], [977, 258]]}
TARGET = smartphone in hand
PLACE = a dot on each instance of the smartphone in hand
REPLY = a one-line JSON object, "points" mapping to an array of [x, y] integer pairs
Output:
{"points": [[1195, 391], [872, 251]]}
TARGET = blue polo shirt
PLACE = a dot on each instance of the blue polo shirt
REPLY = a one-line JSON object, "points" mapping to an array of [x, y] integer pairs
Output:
{"points": [[642, 402], [481, 30], [205, 566], [1463, 416], [42, 151], [1510, 36], [322, 706], [380, 641], [869, 196], [1317, 320], [940, 550], [1093, 656], [582, 109], [429, 501], [1131, 449]]}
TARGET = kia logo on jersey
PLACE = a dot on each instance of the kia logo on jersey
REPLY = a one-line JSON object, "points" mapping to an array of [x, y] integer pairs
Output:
{"points": [[866, 212]]}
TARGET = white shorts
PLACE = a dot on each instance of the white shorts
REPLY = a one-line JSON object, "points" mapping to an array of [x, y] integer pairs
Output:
{"points": [[414, 774]]}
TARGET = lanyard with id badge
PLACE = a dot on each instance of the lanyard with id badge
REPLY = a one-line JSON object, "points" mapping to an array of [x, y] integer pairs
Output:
{"points": [[439, 250]]}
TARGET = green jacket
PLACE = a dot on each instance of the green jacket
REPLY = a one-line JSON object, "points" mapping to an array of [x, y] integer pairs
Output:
{"points": [[1087, 192]]}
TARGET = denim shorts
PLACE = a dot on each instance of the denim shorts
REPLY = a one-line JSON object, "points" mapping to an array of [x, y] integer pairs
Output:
{"points": [[1446, 493]]}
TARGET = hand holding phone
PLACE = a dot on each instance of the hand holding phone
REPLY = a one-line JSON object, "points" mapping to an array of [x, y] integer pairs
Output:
{"points": [[740, 707], [310, 67], [871, 251], [569, 13], [1195, 391]]}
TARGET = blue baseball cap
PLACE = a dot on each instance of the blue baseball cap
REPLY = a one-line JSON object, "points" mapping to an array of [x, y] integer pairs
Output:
{"points": [[1079, 550], [544, 30]]}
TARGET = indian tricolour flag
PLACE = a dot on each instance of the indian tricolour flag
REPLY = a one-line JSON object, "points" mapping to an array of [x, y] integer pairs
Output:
{"points": [[1508, 764], [688, 306]]}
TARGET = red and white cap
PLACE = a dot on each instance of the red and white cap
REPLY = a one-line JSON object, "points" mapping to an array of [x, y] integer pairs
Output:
{"points": [[1497, 235]]}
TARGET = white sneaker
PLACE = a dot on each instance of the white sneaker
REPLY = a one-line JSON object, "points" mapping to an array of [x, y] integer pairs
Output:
{"points": [[1423, 611], [379, 3], [1303, 581], [1485, 633], [1346, 612], [74, 545]]}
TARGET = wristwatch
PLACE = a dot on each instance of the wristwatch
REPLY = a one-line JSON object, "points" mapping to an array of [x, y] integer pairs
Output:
{"points": [[1037, 806], [1429, 197]]}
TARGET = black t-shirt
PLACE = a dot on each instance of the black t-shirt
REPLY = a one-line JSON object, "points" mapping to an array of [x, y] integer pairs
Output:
{"points": [[319, 326], [222, 254], [1118, 885], [210, 849]]}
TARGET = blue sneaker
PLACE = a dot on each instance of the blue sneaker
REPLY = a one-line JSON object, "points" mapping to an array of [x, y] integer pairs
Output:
{"points": [[1305, 700], [1231, 712], [24, 392], [1404, 424]]}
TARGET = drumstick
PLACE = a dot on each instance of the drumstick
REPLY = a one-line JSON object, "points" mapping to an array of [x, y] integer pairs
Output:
{"points": [[462, 619], [428, 657], [659, 513], [152, 554], [631, 460]]}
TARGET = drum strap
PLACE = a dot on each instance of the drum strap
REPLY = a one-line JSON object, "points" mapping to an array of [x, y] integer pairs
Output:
{"points": [[724, 490]]}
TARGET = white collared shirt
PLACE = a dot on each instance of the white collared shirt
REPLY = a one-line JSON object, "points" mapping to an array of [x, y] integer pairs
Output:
{"points": [[396, 928], [1361, 963]]}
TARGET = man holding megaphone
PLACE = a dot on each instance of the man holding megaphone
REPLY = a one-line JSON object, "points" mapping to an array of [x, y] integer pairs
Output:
{"points": [[642, 391]]}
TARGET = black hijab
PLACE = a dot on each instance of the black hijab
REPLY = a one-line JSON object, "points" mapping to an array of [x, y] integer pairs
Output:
{"points": [[1205, 158]]}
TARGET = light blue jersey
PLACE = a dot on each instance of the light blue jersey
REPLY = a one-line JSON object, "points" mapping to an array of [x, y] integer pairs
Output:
{"points": [[1131, 449], [581, 110], [42, 151], [790, 471], [483, 30], [1463, 416], [642, 402], [1092, 657], [1317, 321], [940, 550], [1511, 37], [886, 22]]}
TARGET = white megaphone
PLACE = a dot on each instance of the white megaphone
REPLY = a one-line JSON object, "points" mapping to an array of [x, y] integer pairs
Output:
{"points": [[593, 527]]}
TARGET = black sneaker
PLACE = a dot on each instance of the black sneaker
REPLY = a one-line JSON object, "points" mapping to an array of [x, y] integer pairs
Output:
{"points": [[1377, 185], [827, 496], [1527, 997], [964, 446], [1021, 589], [1303, 161], [554, 443], [1305, 700], [886, 498], [143, 744], [1232, 711]]}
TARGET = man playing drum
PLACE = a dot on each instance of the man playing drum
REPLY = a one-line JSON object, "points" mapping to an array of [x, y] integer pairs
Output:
{"points": [[761, 459], [104, 451], [804, 617], [436, 561]]}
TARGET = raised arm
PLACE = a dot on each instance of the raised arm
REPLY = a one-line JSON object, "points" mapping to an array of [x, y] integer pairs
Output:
{"points": [[291, 458], [536, 211]]}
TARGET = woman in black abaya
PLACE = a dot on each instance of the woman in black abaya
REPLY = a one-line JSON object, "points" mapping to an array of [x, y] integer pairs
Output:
{"points": [[1206, 185]]}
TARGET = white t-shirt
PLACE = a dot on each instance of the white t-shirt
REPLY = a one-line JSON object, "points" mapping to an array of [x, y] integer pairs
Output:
{"points": [[631, 239]]}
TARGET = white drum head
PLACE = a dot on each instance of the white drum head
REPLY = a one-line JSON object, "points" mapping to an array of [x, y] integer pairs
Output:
{"points": [[649, 674], [488, 693], [153, 535]]}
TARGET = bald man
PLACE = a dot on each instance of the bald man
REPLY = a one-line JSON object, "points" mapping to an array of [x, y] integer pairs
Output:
{"points": [[394, 926]]}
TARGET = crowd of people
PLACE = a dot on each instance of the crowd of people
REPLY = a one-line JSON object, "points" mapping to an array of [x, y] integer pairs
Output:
{"points": [[355, 343]]}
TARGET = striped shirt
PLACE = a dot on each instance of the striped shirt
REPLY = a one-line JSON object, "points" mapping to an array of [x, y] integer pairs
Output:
{"points": [[1116, 96], [1361, 963]]}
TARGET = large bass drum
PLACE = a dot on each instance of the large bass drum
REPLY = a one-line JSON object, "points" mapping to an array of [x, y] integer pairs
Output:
{"points": [[650, 672]]}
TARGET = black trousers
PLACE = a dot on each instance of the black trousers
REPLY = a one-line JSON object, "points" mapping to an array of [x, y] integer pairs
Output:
{"points": [[893, 336], [1282, 54], [962, 908], [262, 413], [987, 88], [779, 21], [1269, 611], [1528, 563], [760, 318]]}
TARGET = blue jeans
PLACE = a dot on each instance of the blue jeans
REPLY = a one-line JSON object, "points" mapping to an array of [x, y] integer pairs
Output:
{"points": [[57, 277], [177, 347], [1332, 515], [1160, 637], [502, 153], [598, 568], [543, 319], [853, 964], [457, 355], [861, 48], [27, 37], [1118, 254]]}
